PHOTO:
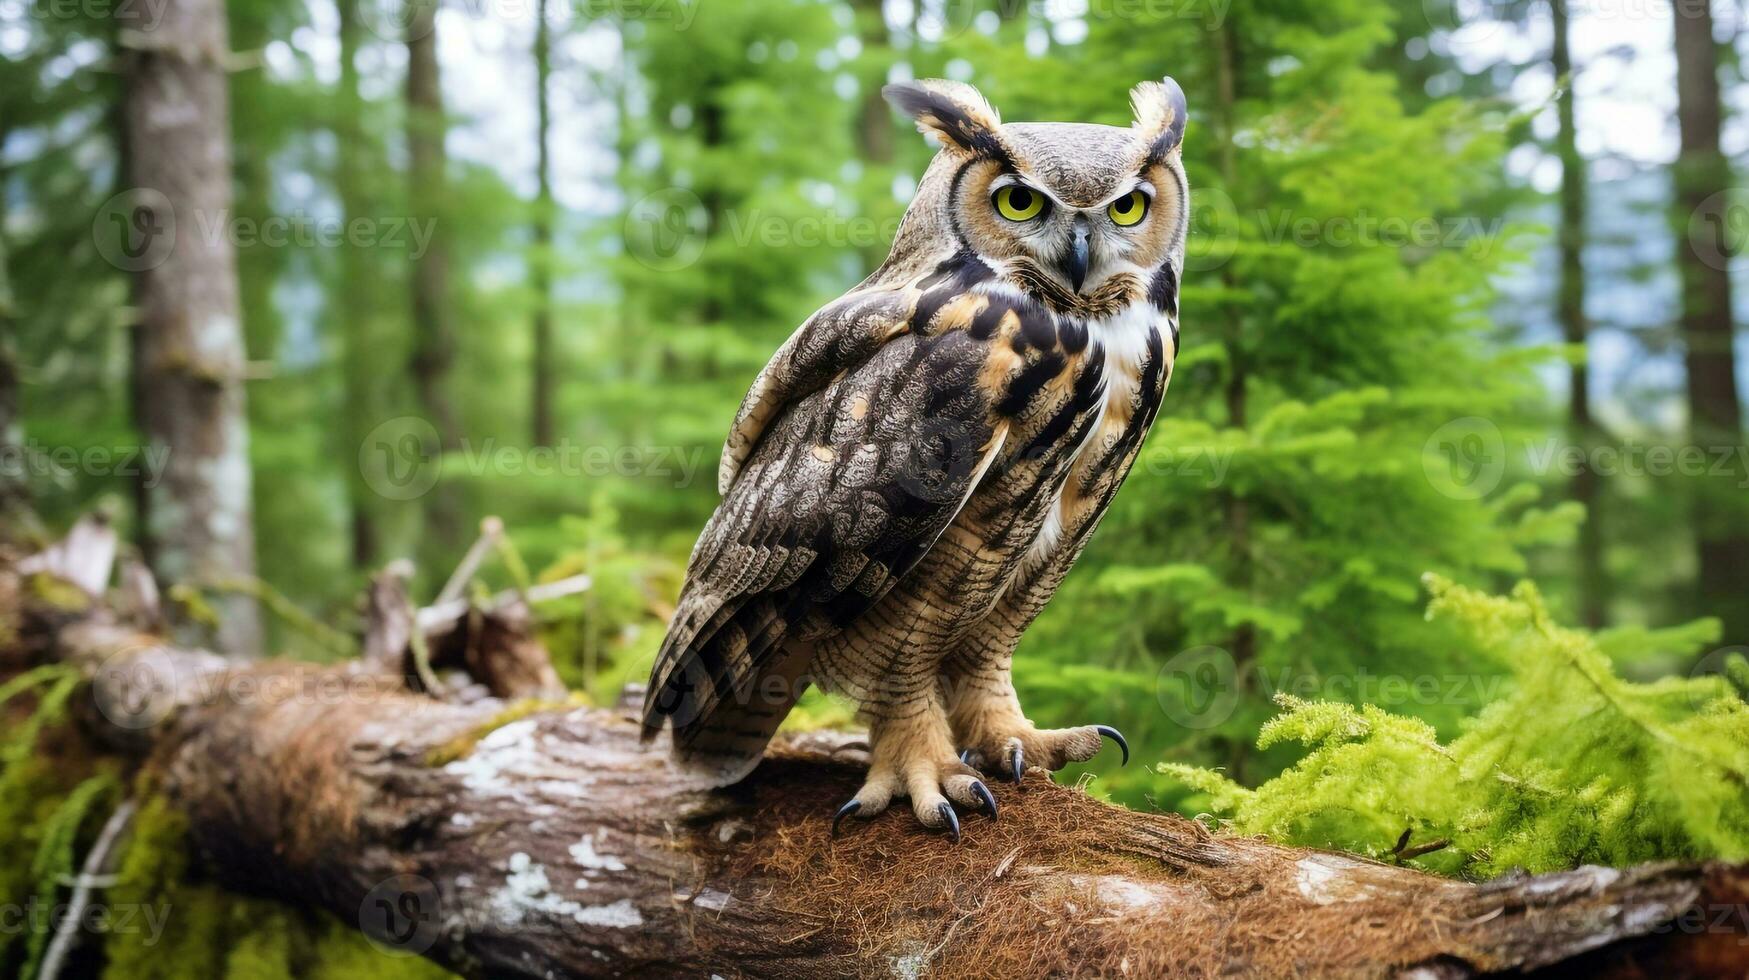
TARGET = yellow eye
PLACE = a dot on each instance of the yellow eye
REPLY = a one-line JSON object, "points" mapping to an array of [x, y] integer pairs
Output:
{"points": [[1128, 209], [1018, 203]]}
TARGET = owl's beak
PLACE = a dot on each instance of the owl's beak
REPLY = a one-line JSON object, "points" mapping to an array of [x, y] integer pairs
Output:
{"points": [[1074, 261]]}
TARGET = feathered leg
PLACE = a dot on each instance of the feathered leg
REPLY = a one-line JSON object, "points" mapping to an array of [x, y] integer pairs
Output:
{"points": [[912, 754], [996, 736]]}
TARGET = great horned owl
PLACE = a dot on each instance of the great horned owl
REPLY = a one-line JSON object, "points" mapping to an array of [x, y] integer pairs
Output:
{"points": [[911, 476]]}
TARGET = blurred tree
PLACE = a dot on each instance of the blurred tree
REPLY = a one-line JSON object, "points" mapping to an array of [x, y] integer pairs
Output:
{"points": [[735, 146], [13, 487], [355, 305], [59, 118], [260, 128], [541, 380], [1715, 409], [433, 303], [1230, 326], [282, 226], [199, 520], [1570, 310], [874, 121]]}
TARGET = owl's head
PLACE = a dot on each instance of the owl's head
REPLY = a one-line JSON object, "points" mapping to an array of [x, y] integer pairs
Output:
{"points": [[1063, 210]]}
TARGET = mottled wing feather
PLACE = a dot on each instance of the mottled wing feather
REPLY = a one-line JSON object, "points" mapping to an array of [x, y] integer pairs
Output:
{"points": [[856, 453], [843, 334]]}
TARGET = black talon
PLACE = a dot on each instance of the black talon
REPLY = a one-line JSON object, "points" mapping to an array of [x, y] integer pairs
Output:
{"points": [[983, 793], [1014, 757], [844, 811], [953, 820], [965, 757], [1115, 736]]}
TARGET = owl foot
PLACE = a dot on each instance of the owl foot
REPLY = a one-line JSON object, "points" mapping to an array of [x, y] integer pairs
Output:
{"points": [[1050, 748], [933, 787]]}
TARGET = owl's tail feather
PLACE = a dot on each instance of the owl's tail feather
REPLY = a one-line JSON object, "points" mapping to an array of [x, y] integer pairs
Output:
{"points": [[723, 738]]}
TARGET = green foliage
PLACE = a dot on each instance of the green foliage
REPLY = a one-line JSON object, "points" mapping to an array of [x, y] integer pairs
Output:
{"points": [[56, 863], [1574, 765], [42, 805], [607, 635]]}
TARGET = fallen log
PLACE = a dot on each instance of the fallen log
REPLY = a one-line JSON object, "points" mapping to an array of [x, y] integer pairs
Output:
{"points": [[506, 838]]}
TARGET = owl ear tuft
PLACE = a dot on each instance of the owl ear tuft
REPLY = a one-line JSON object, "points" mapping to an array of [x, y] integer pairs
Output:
{"points": [[1160, 113], [953, 112]]}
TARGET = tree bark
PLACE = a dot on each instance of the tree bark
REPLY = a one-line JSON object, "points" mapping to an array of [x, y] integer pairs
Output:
{"points": [[356, 306], [198, 524], [1587, 485], [541, 373], [1702, 179], [551, 843]]}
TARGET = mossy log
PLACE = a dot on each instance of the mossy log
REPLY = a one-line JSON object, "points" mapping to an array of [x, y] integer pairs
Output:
{"points": [[504, 839]]}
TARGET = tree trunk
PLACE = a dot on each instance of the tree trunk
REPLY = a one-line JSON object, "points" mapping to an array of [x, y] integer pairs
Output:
{"points": [[355, 302], [1703, 178], [1236, 394], [713, 125], [1570, 310], [13, 485], [434, 338], [198, 520], [874, 119], [541, 375], [428, 164], [537, 843], [256, 137]]}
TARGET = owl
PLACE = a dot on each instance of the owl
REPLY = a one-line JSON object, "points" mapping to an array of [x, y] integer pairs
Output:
{"points": [[909, 479]]}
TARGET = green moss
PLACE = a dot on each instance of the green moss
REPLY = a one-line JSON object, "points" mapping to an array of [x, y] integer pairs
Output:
{"points": [[818, 710], [58, 593], [341, 953], [265, 951], [211, 932], [194, 605]]}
